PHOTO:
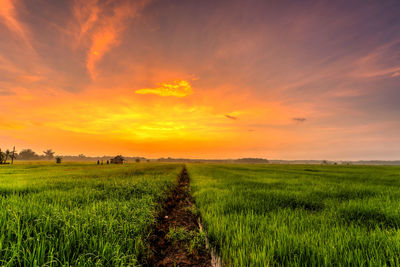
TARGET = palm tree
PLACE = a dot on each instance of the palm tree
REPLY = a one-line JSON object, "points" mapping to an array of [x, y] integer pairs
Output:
{"points": [[49, 154], [1, 157], [6, 155], [13, 156]]}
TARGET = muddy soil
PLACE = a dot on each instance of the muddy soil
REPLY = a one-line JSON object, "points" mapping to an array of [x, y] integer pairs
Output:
{"points": [[177, 213]]}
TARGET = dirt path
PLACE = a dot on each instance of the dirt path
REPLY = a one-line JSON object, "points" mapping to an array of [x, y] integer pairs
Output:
{"points": [[176, 240]]}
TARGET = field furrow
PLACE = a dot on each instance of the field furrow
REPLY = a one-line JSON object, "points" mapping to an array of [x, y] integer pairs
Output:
{"points": [[177, 239]]}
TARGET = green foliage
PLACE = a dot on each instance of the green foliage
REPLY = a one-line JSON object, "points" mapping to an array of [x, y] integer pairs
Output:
{"points": [[49, 154], [197, 240], [177, 234], [79, 214], [193, 239], [4, 156], [308, 215], [28, 154], [192, 209]]}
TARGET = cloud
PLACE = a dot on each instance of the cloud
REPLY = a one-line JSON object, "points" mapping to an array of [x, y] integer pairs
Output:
{"points": [[103, 24], [179, 88], [4, 92], [8, 16], [28, 78], [393, 72], [231, 117], [102, 42], [6, 124], [396, 74], [87, 13], [299, 119], [383, 61]]}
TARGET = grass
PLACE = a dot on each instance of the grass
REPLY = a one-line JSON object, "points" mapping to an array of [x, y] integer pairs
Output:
{"points": [[79, 214], [193, 239], [301, 215], [255, 215]]}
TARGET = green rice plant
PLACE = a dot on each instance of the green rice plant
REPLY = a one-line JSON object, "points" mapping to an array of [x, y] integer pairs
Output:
{"points": [[80, 214], [193, 239], [192, 209], [178, 234], [197, 241], [300, 215]]}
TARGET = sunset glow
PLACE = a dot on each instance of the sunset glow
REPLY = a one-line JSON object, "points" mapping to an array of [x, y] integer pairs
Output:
{"points": [[175, 88], [202, 79]]}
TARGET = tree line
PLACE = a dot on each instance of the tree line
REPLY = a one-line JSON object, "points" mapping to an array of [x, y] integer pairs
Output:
{"points": [[8, 156]]}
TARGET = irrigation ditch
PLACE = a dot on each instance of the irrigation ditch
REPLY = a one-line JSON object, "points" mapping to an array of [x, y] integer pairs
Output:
{"points": [[178, 238]]}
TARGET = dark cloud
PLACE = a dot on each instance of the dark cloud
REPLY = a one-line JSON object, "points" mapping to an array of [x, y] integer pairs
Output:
{"points": [[4, 92], [299, 119], [231, 117]]}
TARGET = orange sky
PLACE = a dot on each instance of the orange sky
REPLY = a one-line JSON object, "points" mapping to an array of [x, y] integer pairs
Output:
{"points": [[216, 79]]}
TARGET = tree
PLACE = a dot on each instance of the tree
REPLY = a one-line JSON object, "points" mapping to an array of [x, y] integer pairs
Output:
{"points": [[48, 154], [6, 155], [137, 160], [2, 156], [13, 155], [27, 154]]}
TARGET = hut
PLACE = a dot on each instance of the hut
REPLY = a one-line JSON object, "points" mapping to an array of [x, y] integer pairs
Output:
{"points": [[117, 160]]}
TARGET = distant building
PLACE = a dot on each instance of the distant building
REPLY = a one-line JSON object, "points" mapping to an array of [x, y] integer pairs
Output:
{"points": [[117, 160]]}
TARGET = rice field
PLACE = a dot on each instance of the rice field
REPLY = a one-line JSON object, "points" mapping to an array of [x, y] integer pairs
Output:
{"points": [[80, 214], [76, 214], [300, 215]]}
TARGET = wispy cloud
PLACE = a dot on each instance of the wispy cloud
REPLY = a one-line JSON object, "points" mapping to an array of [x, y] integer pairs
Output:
{"points": [[231, 117], [383, 61], [396, 74], [4, 92], [87, 13], [299, 119], [103, 24], [179, 88], [8, 16]]}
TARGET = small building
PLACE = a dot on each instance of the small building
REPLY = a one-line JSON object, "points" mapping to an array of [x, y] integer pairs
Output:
{"points": [[117, 160]]}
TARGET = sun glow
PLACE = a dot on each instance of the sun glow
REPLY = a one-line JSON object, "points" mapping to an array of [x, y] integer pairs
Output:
{"points": [[179, 88]]}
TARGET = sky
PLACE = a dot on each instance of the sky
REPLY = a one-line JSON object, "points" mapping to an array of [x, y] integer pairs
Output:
{"points": [[202, 79]]}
